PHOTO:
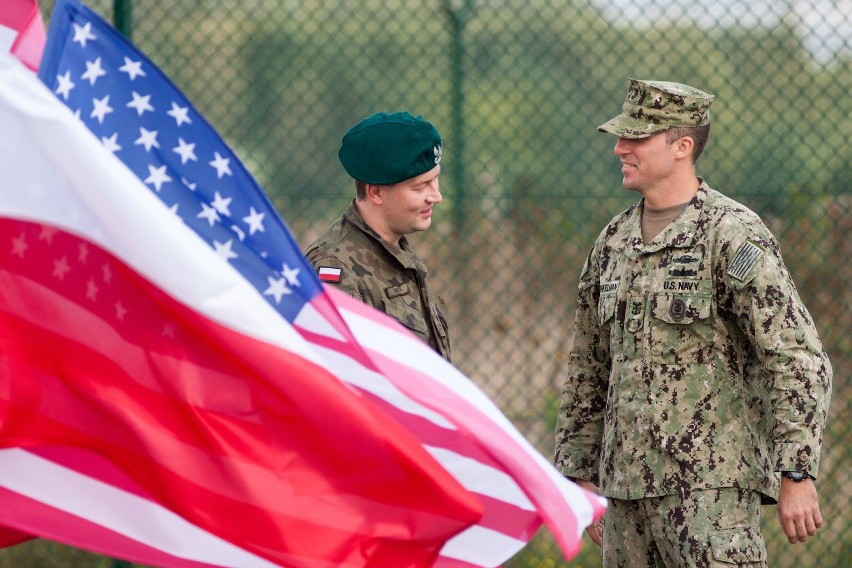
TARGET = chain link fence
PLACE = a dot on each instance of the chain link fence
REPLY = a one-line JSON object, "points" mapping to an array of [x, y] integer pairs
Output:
{"points": [[516, 88]]}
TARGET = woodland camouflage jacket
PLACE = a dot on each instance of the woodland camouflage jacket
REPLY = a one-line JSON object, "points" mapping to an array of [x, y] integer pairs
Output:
{"points": [[391, 278]]}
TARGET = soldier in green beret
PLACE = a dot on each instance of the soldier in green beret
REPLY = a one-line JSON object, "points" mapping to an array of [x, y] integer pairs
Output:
{"points": [[395, 160], [697, 385]]}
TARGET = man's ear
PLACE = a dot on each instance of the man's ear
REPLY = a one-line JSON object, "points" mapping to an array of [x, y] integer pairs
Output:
{"points": [[683, 147], [374, 193]]}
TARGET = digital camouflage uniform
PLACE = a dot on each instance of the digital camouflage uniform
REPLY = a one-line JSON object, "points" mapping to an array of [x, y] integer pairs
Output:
{"points": [[695, 366], [391, 278]]}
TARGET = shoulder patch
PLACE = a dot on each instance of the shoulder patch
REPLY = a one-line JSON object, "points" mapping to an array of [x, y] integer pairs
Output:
{"points": [[329, 274], [744, 260]]}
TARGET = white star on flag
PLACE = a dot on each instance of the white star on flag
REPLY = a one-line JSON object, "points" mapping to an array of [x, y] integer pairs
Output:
{"points": [[225, 250], [140, 103], [111, 142], [220, 163], [147, 138], [221, 204], [185, 151], [157, 177], [93, 71], [65, 85], [132, 68], [180, 114], [277, 289], [101, 109], [254, 220], [82, 34], [209, 213], [290, 274]]}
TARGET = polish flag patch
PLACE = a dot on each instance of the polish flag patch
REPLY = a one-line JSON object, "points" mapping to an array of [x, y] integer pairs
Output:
{"points": [[329, 274]]}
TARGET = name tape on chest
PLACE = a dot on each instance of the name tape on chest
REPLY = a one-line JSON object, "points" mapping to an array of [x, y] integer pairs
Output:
{"points": [[746, 257]]}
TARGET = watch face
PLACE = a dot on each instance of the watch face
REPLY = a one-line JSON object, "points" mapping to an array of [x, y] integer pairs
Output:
{"points": [[795, 475]]}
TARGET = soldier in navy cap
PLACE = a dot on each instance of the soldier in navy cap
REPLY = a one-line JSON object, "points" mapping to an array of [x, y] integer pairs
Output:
{"points": [[697, 386], [395, 160]]}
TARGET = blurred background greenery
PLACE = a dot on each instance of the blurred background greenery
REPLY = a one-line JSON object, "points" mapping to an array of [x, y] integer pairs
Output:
{"points": [[516, 88]]}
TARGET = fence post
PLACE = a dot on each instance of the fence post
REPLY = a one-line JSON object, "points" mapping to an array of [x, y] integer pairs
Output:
{"points": [[123, 16], [458, 18]]}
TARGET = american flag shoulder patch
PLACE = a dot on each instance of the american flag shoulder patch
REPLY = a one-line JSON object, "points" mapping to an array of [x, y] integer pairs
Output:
{"points": [[329, 274], [744, 260]]}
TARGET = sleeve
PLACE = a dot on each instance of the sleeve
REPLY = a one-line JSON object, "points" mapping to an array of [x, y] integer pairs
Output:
{"points": [[579, 429], [763, 298], [334, 272]]}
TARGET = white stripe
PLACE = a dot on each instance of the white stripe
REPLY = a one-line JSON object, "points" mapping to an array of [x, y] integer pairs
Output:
{"points": [[353, 373], [121, 512], [408, 350], [311, 320], [7, 38], [63, 176], [481, 478], [482, 547]]}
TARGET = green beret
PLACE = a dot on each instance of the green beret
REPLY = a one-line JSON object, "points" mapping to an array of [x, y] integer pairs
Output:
{"points": [[388, 148], [654, 106]]}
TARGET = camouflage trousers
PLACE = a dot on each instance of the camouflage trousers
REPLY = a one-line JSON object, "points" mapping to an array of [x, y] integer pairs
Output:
{"points": [[713, 528]]}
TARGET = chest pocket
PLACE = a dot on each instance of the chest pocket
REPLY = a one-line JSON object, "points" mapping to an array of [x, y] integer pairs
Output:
{"points": [[403, 304], [681, 327]]}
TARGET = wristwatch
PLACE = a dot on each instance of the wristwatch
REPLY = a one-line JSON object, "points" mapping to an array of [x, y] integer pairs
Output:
{"points": [[795, 475]]}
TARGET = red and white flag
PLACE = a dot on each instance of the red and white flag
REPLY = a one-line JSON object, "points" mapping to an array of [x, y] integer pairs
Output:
{"points": [[179, 389], [22, 31], [153, 406]]}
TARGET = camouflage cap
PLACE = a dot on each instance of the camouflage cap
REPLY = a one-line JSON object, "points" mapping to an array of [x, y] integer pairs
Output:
{"points": [[654, 106], [387, 148]]}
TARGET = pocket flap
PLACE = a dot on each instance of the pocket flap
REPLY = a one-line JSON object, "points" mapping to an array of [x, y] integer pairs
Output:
{"points": [[738, 546], [680, 309]]}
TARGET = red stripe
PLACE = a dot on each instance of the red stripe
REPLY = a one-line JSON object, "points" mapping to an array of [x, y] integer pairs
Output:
{"points": [[161, 408], [56, 524], [10, 537], [16, 13]]}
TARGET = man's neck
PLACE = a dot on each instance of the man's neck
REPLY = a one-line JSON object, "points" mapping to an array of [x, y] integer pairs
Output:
{"points": [[674, 192], [374, 221]]}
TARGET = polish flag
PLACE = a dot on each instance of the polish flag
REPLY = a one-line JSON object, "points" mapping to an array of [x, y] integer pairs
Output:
{"points": [[153, 406]]}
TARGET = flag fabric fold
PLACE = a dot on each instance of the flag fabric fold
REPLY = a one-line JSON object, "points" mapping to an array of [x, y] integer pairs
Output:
{"points": [[244, 436], [167, 347], [22, 31]]}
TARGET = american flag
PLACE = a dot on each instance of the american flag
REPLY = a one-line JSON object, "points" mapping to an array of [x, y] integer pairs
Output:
{"points": [[142, 118]]}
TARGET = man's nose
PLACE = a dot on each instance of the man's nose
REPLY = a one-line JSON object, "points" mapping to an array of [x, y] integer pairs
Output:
{"points": [[434, 195]]}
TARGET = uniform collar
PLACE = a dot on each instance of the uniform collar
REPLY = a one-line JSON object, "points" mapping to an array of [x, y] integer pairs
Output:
{"points": [[681, 233], [401, 251]]}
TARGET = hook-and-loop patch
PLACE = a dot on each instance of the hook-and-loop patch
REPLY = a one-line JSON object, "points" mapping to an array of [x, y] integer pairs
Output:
{"points": [[746, 257]]}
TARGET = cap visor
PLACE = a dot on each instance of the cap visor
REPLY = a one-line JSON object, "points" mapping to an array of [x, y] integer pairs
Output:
{"points": [[625, 126]]}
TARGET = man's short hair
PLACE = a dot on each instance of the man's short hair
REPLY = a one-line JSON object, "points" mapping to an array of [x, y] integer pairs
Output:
{"points": [[699, 135], [360, 190]]}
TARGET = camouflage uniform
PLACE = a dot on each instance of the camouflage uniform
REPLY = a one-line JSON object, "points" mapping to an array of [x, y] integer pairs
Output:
{"points": [[695, 365], [390, 278]]}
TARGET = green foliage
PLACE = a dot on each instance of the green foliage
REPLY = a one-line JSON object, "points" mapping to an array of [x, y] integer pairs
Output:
{"points": [[528, 182]]}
